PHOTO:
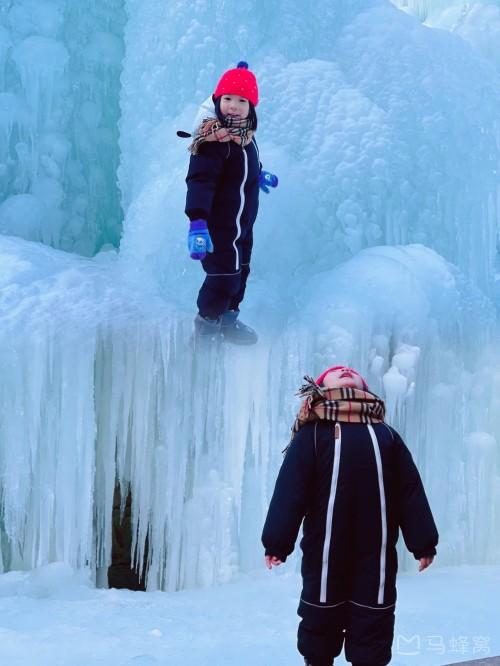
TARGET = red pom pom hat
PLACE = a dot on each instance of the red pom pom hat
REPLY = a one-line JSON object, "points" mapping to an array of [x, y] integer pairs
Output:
{"points": [[239, 81]]}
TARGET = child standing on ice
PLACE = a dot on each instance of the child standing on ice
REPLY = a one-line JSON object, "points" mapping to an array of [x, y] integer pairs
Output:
{"points": [[222, 201], [353, 482]]}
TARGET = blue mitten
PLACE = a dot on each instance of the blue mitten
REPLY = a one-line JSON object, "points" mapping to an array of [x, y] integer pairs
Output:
{"points": [[267, 180], [199, 241]]}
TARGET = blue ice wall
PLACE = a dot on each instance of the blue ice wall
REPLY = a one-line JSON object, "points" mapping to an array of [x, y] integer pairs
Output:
{"points": [[60, 64]]}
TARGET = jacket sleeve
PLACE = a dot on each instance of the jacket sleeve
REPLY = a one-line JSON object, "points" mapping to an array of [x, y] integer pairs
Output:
{"points": [[415, 516], [202, 178], [291, 494]]}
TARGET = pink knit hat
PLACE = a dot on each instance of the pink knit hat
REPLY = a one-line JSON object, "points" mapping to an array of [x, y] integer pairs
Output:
{"points": [[239, 81], [341, 367]]}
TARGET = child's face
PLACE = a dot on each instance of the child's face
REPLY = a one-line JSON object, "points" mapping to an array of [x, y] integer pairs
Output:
{"points": [[343, 377], [234, 106]]}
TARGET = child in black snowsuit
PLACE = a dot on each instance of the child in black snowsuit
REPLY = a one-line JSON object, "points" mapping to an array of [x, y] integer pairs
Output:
{"points": [[222, 202], [353, 482]]}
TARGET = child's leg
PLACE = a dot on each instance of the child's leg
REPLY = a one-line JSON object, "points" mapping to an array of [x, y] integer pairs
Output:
{"points": [[223, 269], [315, 644], [369, 635], [317, 663], [236, 300], [216, 294], [245, 248], [320, 635]]}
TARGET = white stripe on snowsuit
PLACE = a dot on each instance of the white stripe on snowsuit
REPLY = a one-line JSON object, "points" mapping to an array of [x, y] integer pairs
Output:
{"points": [[329, 514], [242, 205], [383, 514]]}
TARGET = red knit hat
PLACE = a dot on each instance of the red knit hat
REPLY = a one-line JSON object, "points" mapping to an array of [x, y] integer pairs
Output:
{"points": [[340, 367], [239, 81]]}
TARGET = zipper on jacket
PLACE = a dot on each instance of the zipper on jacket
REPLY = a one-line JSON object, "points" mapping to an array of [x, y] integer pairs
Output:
{"points": [[329, 513], [242, 205]]}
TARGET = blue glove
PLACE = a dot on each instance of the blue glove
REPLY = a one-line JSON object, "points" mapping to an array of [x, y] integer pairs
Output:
{"points": [[199, 241], [267, 180]]}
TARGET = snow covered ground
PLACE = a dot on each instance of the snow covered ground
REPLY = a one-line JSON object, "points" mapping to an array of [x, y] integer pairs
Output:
{"points": [[53, 616]]}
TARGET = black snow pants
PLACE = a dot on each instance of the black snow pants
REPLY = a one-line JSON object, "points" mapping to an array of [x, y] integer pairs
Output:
{"points": [[225, 284], [365, 633]]}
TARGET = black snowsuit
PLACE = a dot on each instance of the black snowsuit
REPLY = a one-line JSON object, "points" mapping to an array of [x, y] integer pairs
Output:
{"points": [[353, 492], [223, 188]]}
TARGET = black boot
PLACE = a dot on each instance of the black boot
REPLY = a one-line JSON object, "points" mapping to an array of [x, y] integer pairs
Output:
{"points": [[235, 331], [207, 330], [317, 663]]}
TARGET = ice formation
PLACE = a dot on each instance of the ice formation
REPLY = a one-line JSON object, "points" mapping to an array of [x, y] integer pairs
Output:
{"points": [[377, 249], [60, 63]]}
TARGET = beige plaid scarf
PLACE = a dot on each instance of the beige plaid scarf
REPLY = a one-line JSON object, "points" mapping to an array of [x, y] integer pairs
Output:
{"points": [[348, 405], [240, 131]]}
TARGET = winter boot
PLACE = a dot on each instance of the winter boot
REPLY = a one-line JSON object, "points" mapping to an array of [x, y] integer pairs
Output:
{"points": [[316, 663], [236, 331], [207, 330]]}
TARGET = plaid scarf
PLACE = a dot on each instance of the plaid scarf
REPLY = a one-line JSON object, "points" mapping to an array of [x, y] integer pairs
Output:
{"points": [[350, 405], [240, 131]]}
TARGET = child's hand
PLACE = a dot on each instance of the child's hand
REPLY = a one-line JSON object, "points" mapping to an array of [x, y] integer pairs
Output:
{"points": [[425, 562], [199, 241], [267, 180], [271, 561]]}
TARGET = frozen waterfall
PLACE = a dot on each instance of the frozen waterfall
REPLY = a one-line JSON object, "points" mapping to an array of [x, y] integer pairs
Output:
{"points": [[377, 249]]}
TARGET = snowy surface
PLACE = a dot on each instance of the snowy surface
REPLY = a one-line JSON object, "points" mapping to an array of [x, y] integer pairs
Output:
{"points": [[52, 617]]}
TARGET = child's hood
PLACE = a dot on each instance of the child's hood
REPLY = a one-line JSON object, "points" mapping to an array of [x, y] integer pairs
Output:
{"points": [[206, 110]]}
